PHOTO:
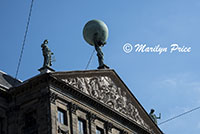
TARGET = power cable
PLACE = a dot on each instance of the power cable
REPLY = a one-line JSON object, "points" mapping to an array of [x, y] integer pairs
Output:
{"points": [[89, 60], [194, 109], [23, 44]]}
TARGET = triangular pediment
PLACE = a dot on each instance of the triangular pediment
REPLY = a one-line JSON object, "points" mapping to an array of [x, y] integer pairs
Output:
{"points": [[107, 87]]}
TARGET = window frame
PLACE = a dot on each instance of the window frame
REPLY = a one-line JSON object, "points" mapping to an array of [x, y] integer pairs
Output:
{"points": [[63, 118], [101, 130], [84, 126]]}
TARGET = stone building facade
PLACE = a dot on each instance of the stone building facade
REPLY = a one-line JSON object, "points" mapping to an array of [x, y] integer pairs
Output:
{"points": [[74, 102]]}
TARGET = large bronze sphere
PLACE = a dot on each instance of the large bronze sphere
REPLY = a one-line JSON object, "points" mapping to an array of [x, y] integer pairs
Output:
{"points": [[95, 31]]}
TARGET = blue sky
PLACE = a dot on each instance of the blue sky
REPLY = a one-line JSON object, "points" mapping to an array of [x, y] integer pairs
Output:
{"points": [[168, 82]]}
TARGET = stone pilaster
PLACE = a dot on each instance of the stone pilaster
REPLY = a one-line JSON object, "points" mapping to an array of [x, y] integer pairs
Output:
{"points": [[73, 118], [92, 127]]}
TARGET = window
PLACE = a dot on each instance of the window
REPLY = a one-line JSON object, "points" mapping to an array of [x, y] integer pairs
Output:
{"points": [[99, 131], [62, 118], [81, 126]]}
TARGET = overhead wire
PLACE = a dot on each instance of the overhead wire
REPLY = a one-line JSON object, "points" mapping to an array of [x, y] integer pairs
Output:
{"points": [[24, 40], [194, 109], [89, 60]]}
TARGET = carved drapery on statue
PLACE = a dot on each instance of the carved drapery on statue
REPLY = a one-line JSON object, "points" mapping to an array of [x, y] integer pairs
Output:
{"points": [[106, 91], [48, 59], [47, 54]]}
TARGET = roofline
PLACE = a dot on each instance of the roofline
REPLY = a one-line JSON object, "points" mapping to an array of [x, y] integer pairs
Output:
{"points": [[10, 76], [112, 70], [4, 87], [137, 101]]}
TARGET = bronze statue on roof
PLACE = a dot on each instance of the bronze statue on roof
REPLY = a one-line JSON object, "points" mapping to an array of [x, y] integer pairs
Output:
{"points": [[153, 116], [47, 54], [95, 32]]}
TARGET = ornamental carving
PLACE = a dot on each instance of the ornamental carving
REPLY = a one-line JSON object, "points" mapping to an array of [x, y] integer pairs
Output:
{"points": [[73, 107], [91, 117], [53, 96], [106, 91], [62, 131]]}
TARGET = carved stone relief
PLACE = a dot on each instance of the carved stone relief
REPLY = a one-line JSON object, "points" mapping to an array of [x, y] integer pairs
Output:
{"points": [[106, 91]]}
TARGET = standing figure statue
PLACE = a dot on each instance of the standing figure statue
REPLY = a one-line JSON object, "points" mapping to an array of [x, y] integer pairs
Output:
{"points": [[98, 45], [47, 54], [153, 116]]}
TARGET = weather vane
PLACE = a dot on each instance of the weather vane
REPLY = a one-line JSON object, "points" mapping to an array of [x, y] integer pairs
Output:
{"points": [[95, 33]]}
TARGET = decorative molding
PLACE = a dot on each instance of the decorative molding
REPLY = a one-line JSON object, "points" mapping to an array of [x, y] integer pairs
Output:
{"points": [[91, 117], [62, 131], [73, 107], [106, 91], [53, 96]]}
